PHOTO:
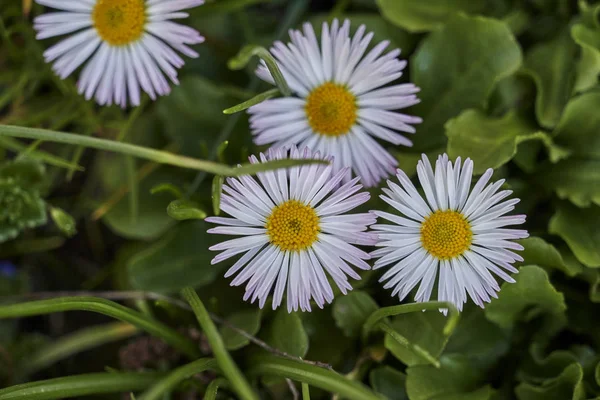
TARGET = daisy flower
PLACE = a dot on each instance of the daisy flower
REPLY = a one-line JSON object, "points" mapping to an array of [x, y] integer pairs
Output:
{"points": [[130, 42], [456, 235], [339, 106], [294, 231]]}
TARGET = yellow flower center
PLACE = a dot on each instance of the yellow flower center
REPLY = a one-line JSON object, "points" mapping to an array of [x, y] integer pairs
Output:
{"points": [[446, 234], [331, 109], [293, 226], [119, 22]]}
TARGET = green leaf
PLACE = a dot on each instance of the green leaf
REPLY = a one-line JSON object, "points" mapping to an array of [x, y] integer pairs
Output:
{"points": [[389, 382], [478, 339], [351, 311], [422, 329], [175, 261], [63, 221], [574, 179], [532, 292], [259, 98], [167, 187], [579, 228], [578, 127], [28, 174], [489, 142], [20, 208], [539, 252], [247, 52], [588, 66], [551, 65], [421, 16], [456, 379], [217, 189], [568, 385], [456, 68], [287, 334], [182, 210], [247, 320]]}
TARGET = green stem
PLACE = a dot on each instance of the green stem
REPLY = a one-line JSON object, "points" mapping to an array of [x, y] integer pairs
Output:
{"points": [[305, 391], [315, 376], [74, 343], [213, 388], [418, 350], [226, 364], [385, 312], [105, 307], [158, 156], [80, 385], [165, 385], [14, 145]]}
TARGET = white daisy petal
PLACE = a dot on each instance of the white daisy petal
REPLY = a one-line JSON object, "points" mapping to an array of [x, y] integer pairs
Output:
{"points": [[460, 230], [121, 55], [292, 232]]}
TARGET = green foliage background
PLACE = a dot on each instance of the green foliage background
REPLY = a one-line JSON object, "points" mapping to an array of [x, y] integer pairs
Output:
{"points": [[513, 84]]}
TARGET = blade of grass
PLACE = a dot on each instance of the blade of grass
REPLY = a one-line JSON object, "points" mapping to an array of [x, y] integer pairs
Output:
{"points": [[168, 383], [315, 376], [106, 307], [80, 385], [74, 343], [158, 156], [50, 159], [238, 382]]}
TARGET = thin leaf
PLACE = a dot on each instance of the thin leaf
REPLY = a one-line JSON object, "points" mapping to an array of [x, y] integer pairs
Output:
{"points": [[259, 98], [244, 56]]}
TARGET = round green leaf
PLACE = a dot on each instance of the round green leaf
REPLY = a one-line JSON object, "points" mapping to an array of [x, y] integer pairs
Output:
{"points": [[351, 311], [389, 382], [532, 290], [456, 68], [539, 252], [176, 261], [588, 66], [579, 228], [456, 379], [421, 16], [552, 65], [489, 142], [568, 385], [247, 320], [287, 334]]}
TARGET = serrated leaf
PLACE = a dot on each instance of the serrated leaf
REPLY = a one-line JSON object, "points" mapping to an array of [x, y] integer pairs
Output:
{"points": [[551, 65], [247, 320], [532, 292], [588, 66], [456, 379], [539, 252], [26, 173], [456, 68], [351, 311], [422, 329], [182, 209], [389, 382], [567, 386], [175, 261], [579, 228], [287, 334], [20, 208], [421, 16], [489, 142]]}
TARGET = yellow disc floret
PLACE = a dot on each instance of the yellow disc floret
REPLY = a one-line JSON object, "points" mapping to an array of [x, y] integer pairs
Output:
{"points": [[446, 234], [119, 22], [331, 109], [293, 226]]}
